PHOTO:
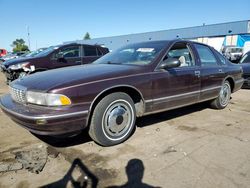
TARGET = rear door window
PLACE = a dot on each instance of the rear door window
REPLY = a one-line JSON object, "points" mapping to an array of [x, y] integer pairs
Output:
{"points": [[207, 57], [99, 53], [221, 57], [90, 51]]}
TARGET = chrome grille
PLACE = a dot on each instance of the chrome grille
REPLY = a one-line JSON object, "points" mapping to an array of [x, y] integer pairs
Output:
{"points": [[18, 93]]}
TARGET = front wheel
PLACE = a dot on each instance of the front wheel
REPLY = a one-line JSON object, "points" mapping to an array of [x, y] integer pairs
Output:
{"points": [[113, 119], [224, 97]]}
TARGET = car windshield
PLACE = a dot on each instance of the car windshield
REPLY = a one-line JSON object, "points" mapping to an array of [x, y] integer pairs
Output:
{"points": [[47, 51], [135, 54], [245, 59], [34, 53], [235, 50]]}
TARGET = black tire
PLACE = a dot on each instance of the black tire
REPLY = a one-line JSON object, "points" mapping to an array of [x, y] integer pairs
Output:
{"points": [[113, 119], [224, 97]]}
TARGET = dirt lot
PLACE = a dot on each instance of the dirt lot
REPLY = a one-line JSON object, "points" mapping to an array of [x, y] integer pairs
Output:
{"points": [[189, 147]]}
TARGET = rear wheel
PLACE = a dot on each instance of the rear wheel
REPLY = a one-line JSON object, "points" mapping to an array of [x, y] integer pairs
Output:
{"points": [[224, 97], [113, 119]]}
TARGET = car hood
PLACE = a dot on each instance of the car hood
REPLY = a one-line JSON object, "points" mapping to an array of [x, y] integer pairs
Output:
{"points": [[15, 61], [69, 76]]}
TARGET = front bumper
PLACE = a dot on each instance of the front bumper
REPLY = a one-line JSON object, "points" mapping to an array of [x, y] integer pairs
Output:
{"points": [[45, 120]]}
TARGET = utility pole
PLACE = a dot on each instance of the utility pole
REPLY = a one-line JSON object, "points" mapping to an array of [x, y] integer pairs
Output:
{"points": [[28, 35]]}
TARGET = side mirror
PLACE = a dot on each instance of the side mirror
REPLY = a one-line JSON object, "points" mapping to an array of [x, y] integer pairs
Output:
{"points": [[170, 63]]}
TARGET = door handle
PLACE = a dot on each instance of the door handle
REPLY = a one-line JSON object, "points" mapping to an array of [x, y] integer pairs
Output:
{"points": [[220, 70], [197, 73]]}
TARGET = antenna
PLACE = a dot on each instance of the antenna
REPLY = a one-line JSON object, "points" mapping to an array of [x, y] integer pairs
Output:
{"points": [[28, 35]]}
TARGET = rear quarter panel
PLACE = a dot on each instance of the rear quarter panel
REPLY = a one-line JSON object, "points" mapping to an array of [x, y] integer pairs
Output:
{"points": [[235, 72]]}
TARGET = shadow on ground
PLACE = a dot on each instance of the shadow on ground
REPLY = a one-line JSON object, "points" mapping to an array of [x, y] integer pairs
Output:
{"points": [[86, 179], [134, 171], [65, 141], [168, 115], [141, 122]]}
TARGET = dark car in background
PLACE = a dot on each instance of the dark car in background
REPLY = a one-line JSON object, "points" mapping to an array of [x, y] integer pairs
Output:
{"points": [[51, 58], [13, 55], [133, 81], [245, 63]]}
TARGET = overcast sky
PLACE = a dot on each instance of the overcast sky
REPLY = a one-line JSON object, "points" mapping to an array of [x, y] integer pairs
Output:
{"points": [[54, 21]]}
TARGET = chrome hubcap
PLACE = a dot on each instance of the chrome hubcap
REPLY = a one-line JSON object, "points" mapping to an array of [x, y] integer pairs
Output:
{"points": [[225, 94], [118, 119]]}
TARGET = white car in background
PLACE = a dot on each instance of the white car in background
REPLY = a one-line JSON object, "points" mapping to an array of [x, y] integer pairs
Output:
{"points": [[232, 53]]}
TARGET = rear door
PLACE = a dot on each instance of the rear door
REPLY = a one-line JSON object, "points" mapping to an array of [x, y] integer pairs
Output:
{"points": [[66, 56], [90, 54], [212, 72], [178, 86]]}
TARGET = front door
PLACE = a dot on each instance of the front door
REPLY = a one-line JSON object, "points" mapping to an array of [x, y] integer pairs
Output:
{"points": [[176, 87]]}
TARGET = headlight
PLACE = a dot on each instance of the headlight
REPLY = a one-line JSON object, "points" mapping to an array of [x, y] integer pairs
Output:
{"points": [[18, 66], [47, 99]]}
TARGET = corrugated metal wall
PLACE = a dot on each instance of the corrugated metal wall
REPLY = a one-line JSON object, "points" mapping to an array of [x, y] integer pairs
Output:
{"points": [[204, 32]]}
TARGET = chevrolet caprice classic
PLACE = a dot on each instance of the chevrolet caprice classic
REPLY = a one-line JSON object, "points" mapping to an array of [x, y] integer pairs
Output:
{"points": [[107, 96]]}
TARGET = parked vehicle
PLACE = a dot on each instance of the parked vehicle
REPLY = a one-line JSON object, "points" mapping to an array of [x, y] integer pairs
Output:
{"points": [[232, 53], [107, 95], [10, 56], [245, 63], [51, 58], [3, 52]]}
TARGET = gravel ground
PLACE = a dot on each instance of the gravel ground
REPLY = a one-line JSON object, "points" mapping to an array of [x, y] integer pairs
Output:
{"points": [[193, 146]]}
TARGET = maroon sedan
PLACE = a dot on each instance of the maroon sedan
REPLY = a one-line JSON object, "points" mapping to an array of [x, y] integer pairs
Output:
{"points": [[133, 81]]}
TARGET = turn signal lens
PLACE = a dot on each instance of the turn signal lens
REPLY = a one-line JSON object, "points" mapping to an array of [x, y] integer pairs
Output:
{"points": [[65, 100]]}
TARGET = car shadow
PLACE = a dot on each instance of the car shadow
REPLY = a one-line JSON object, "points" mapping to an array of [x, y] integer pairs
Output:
{"points": [[141, 122], [134, 171], [245, 87], [62, 142], [171, 114]]}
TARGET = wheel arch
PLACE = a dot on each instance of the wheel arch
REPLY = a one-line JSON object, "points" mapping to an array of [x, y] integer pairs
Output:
{"points": [[231, 82], [133, 92]]}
